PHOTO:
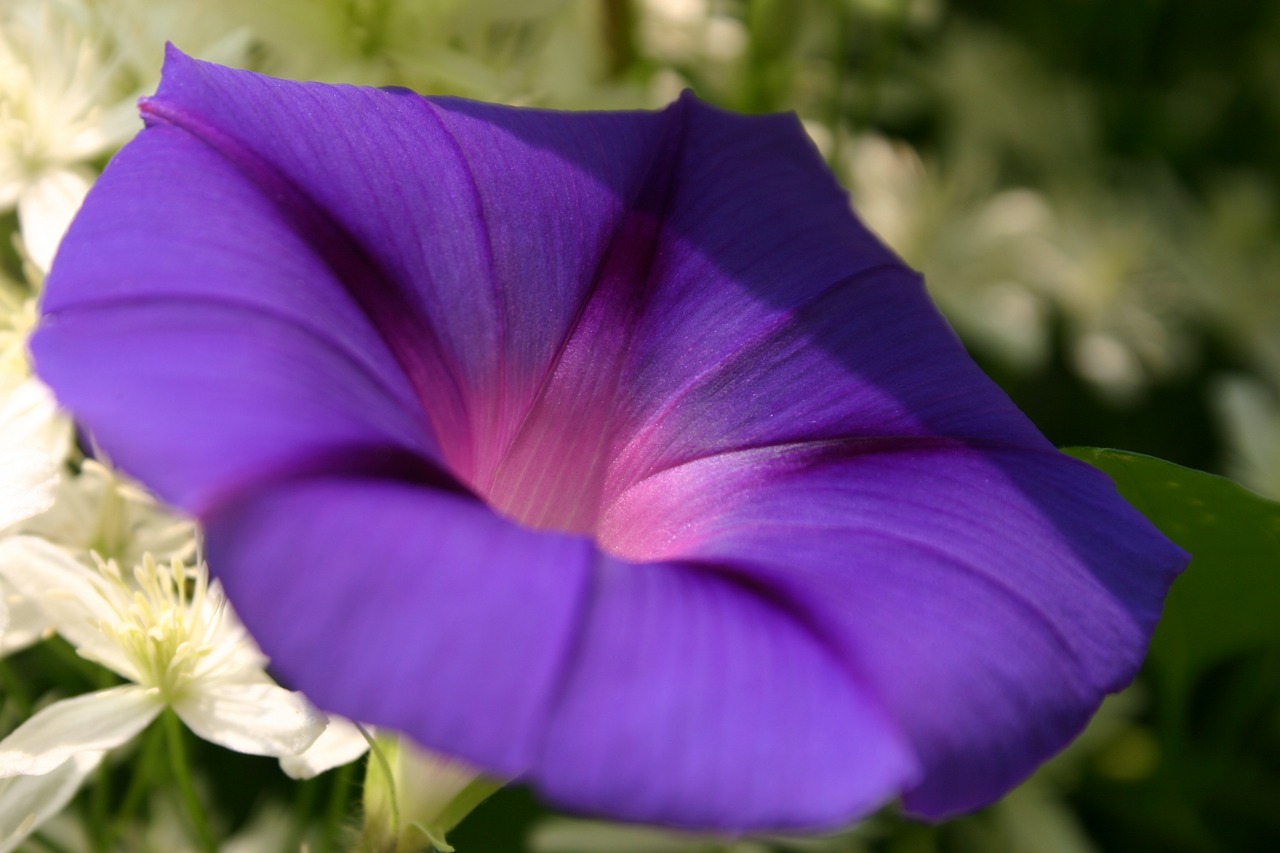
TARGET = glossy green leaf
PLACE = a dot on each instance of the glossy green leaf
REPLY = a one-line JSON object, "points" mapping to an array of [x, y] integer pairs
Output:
{"points": [[1228, 600]]}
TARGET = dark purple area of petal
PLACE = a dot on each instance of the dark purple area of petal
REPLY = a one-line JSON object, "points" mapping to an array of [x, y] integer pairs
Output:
{"points": [[606, 449]]}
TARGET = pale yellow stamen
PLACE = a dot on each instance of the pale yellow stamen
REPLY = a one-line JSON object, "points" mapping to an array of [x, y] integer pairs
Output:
{"points": [[168, 623]]}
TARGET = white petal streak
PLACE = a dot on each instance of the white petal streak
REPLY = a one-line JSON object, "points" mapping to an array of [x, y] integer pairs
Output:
{"points": [[26, 802], [75, 599], [341, 743], [89, 723], [252, 717]]}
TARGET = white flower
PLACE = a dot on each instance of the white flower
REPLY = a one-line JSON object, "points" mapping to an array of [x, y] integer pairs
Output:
{"points": [[171, 634], [60, 105], [70, 74], [35, 439], [18, 315], [102, 512], [32, 441], [96, 513]]}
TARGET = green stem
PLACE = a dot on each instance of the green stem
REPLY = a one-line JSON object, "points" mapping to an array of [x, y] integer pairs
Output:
{"points": [[98, 806], [182, 775], [304, 804], [339, 795], [144, 772]]}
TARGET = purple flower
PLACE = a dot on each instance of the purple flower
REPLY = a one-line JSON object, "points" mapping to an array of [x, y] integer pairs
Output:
{"points": [[605, 450]]}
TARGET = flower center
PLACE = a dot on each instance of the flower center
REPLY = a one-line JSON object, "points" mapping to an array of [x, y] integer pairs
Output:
{"points": [[167, 621]]}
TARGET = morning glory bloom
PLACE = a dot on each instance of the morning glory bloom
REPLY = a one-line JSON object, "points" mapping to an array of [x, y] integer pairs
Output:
{"points": [[606, 451]]}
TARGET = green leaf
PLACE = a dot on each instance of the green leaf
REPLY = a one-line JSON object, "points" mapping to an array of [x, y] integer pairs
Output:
{"points": [[1228, 600]]}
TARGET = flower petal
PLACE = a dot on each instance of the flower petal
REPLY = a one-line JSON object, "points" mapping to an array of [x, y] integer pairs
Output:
{"points": [[33, 443], [26, 802], [419, 609], [693, 700], [990, 596], [73, 599], [22, 623], [340, 743], [233, 325], [89, 723], [584, 252], [404, 277], [865, 357], [254, 717], [45, 210], [666, 699]]}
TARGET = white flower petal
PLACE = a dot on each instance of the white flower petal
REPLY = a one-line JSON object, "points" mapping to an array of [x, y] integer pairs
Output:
{"points": [[27, 486], [46, 208], [33, 443], [72, 597], [26, 622], [258, 718], [340, 743], [89, 723], [102, 510], [28, 801], [29, 417]]}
